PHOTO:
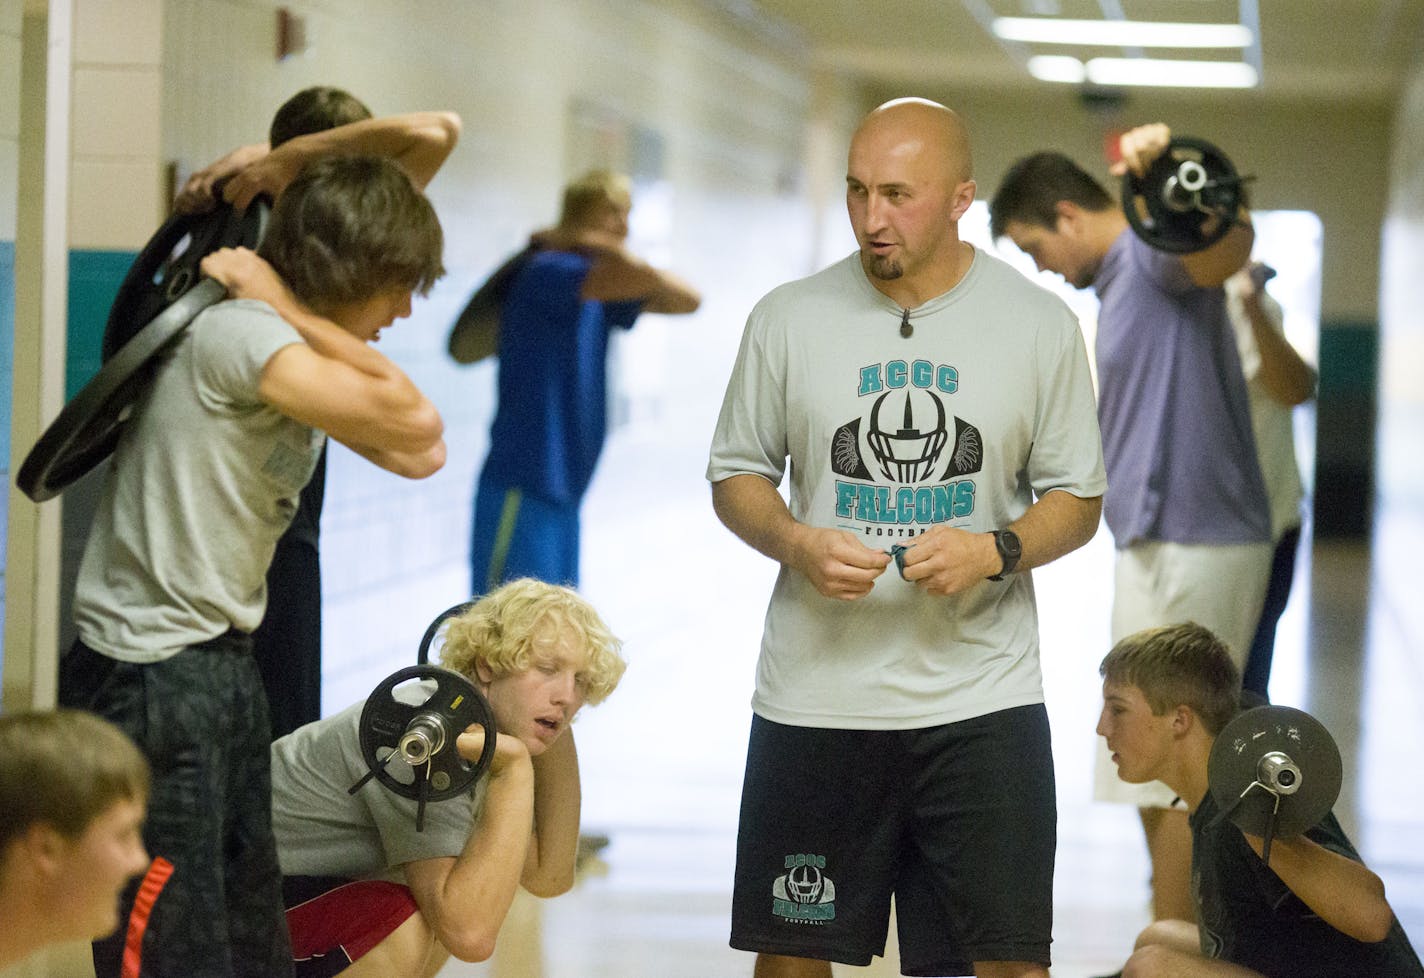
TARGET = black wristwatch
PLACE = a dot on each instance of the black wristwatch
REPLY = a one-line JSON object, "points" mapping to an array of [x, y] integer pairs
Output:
{"points": [[1007, 543]]}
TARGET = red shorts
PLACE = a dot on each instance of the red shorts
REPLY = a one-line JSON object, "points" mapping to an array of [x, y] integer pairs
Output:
{"points": [[337, 927]]}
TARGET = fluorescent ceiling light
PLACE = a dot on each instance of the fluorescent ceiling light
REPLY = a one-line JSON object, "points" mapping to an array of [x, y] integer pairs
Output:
{"points": [[1172, 74], [1121, 33], [1143, 71], [1057, 68]]}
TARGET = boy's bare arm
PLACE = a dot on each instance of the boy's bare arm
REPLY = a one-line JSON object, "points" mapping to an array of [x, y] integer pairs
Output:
{"points": [[410, 464], [336, 382], [618, 275], [1283, 372], [1345, 894], [465, 898], [553, 845], [419, 141], [621, 275]]}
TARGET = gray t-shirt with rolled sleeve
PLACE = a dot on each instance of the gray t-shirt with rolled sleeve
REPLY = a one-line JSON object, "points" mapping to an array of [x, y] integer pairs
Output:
{"points": [[204, 480], [324, 830], [985, 406]]}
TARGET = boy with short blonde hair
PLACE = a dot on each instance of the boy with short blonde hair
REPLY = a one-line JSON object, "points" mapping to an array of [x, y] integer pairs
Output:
{"points": [[73, 790], [1316, 910]]}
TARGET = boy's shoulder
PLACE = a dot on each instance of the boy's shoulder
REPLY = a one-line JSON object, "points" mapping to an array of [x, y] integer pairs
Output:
{"points": [[240, 324]]}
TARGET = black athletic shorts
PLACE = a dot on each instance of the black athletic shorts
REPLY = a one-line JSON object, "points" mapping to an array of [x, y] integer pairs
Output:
{"points": [[210, 906], [958, 821]]}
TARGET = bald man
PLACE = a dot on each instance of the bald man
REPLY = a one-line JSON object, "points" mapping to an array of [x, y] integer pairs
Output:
{"points": [[937, 415]]}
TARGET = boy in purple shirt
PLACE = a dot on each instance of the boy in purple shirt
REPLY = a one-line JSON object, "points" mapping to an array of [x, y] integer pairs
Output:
{"points": [[1186, 503]]}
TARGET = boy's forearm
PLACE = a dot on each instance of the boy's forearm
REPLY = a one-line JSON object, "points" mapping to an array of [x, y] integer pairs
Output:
{"points": [[1344, 893], [330, 340], [419, 141], [553, 845], [1283, 372], [418, 464], [406, 433], [476, 894], [675, 296]]}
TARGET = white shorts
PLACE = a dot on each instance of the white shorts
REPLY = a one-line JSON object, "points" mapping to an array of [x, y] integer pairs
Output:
{"points": [[1220, 586]]}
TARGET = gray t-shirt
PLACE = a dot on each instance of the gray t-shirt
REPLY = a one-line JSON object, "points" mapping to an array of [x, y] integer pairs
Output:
{"points": [[1177, 436], [988, 403], [204, 480], [323, 830]]}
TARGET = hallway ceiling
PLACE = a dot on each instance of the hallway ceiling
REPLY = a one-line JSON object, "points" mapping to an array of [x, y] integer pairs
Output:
{"points": [[1324, 50]]}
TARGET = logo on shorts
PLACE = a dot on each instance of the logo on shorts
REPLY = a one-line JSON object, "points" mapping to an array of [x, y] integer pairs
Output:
{"points": [[804, 894]]}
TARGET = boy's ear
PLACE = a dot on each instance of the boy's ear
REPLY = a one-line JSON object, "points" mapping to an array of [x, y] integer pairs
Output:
{"points": [[1183, 719], [45, 846], [1066, 212], [483, 671]]}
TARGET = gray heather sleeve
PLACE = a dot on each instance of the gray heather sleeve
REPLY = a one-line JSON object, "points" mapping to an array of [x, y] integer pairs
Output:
{"points": [[1067, 449], [232, 343], [750, 437]]}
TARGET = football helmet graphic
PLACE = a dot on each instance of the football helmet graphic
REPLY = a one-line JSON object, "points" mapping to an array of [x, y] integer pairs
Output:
{"points": [[805, 884], [909, 453]]}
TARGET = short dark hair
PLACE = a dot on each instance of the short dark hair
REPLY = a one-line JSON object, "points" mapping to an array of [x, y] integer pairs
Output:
{"points": [[315, 109], [64, 768], [1031, 190], [1178, 665], [350, 228]]}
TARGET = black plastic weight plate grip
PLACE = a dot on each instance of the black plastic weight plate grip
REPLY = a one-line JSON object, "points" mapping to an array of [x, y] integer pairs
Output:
{"points": [[87, 429], [1234, 768], [1188, 199], [167, 267], [455, 703], [422, 656]]}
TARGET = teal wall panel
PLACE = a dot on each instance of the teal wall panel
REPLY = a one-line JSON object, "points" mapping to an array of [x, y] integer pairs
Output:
{"points": [[1345, 428], [94, 280]]}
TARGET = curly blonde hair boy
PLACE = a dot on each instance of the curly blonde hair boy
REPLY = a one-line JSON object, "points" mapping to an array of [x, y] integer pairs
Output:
{"points": [[501, 629]]}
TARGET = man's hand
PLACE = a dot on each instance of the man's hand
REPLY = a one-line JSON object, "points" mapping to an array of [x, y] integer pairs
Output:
{"points": [[509, 751], [246, 275], [947, 560], [200, 192], [1140, 148], [838, 564]]}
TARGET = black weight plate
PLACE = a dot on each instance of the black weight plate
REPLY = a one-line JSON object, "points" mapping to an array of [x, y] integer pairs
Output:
{"points": [[475, 334], [88, 428], [422, 656], [1235, 758], [167, 267], [1183, 227], [384, 720]]}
